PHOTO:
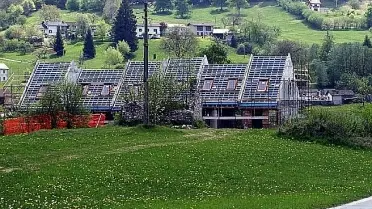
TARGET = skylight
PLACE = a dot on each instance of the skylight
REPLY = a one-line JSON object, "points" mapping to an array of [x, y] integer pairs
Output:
{"points": [[105, 90], [86, 90], [262, 85], [207, 84], [231, 84], [41, 91]]}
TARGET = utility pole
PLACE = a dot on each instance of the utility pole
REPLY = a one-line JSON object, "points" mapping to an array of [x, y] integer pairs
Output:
{"points": [[146, 112]]}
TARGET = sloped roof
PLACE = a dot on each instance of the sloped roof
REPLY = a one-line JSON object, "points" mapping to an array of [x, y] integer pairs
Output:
{"points": [[264, 68], [221, 74], [3, 66]]}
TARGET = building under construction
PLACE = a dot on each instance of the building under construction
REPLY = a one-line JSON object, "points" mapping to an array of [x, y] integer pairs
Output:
{"points": [[259, 94]]}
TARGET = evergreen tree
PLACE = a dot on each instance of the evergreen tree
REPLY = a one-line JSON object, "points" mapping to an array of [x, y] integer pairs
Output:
{"points": [[162, 6], [233, 42], [326, 46], [58, 44], [89, 50], [183, 8], [124, 27], [367, 42]]}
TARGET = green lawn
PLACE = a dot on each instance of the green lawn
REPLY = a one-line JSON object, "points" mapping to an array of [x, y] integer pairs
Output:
{"points": [[117, 167], [291, 27]]}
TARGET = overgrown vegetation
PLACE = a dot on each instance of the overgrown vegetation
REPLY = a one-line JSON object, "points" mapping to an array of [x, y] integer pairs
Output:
{"points": [[349, 125]]}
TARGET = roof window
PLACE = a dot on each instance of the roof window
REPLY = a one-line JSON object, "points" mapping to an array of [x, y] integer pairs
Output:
{"points": [[207, 84], [262, 85], [231, 84]]}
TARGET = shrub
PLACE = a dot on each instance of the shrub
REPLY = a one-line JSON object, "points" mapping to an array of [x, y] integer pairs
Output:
{"points": [[11, 45], [332, 127], [355, 4], [25, 48], [199, 124], [244, 48]]}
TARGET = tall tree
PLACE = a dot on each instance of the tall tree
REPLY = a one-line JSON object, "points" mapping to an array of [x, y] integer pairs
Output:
{"points": [[238, 4], [110, 9], [89, 49], [367, 42], [28, 7], [183, 8], [180, 42], [162, 6], [58, 44], [326, 46], [368, 15], [82, 24], [124, 27], [220, 3], [73, 5], [49, 13], [321, 73]]}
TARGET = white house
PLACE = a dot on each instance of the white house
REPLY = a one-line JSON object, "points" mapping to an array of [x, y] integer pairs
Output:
{"points": [[4, 71], [314, 5], [50, 28], [153, 30], [201, 29]]}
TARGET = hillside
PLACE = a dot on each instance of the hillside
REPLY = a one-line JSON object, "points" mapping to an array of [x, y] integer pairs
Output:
{"points": [[117, 167]]}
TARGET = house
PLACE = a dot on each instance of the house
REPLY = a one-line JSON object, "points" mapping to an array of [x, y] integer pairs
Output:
{"points": [[49, 28], [201, 29], [4, 71], [154, 30], [340, 97], [223, 34], [314, 5]]}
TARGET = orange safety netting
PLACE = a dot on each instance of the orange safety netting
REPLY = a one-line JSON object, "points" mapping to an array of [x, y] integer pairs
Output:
{"points": [[34, 123]]}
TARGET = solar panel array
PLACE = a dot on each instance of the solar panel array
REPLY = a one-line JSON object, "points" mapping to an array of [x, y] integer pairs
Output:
{"points": [[221, 74], [44, 74], [133, 76], [182, 69], [109, 76], [264, 68], [99, 87]]}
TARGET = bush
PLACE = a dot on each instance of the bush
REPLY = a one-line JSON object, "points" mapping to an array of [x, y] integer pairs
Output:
{"points": [[355, 4], [11, 45], [332, 127], [25, 48], [199, 124]]}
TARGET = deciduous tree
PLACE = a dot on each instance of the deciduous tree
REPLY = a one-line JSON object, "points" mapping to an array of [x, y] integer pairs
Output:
{"points": [[183, 8], [216, 53], [179, 42], [49, 13]]}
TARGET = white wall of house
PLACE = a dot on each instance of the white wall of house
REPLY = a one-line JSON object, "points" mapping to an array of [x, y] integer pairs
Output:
{"points": [[4, 71], [202, 30], [152, 30]]}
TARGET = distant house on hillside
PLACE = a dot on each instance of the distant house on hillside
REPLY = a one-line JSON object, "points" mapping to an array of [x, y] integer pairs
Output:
{"points": [[3, 72], [314, 5], [67, 28], [50, 28], [340, 97], [154, 30], [223, 34], [201, 29]]}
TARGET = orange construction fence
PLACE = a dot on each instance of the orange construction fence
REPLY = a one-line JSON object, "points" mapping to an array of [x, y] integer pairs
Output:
{"points": [[34, 123]]}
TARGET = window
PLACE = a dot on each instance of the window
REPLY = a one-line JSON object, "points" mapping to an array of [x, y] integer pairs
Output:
{"points": [[156, 31], [86, 90], [4, 71], [262, 85], [199, 28], [4, 78], [207, 84], [197, 33], [140, 30], [105, 90], [41, 91], [208, 28], [231, 84], [50, 31]]}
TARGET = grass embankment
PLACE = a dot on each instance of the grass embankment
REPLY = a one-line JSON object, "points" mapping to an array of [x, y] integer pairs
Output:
{"points": [[117, 167]]}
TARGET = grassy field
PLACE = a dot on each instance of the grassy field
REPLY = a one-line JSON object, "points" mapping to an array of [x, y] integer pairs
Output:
{"points": [[117, 167], [291, 27]]}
